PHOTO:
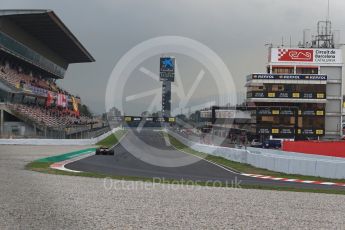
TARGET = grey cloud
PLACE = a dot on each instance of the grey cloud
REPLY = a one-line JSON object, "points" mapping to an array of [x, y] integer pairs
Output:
{"points": [[235, 29]]}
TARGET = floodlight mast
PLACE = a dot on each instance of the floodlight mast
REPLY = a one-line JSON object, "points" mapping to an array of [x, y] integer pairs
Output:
{"points": [[328, 12], [325, 36]]}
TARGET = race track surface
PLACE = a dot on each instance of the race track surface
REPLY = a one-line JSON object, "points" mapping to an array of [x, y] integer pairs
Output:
{"points": [[147, 160]]}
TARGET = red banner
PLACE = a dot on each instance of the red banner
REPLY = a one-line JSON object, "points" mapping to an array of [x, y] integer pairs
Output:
{"points": [[49, 99], [297, 55]]}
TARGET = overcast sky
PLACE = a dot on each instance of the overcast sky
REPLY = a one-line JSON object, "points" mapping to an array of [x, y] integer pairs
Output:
{"points": [[236, 30]]}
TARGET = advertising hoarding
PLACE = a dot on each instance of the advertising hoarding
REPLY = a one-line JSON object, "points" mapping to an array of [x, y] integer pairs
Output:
{"points": [[286, 94], [288, 131], [282, 111], [314, 56], [267, 76], [149, 119], [167, 69]]}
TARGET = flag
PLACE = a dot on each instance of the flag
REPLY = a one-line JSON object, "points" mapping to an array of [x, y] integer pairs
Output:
{"points": [[59, 100], [62, 101], [75, 106], [49, 99]]}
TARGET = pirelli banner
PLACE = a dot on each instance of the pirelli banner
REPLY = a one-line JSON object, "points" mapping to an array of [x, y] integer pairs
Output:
{"points": [[316, 56], [281, 131], [311, 112], [149, 119], [272, 111], [276, 111], [307, 132], [293, 95], [289, 132]]}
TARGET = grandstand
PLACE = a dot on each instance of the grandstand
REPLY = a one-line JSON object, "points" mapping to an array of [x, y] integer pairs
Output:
{"points": [[36, 49]]}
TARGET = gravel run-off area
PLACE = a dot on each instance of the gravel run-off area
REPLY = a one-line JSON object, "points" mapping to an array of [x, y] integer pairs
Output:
{"points": [[32, 200]]}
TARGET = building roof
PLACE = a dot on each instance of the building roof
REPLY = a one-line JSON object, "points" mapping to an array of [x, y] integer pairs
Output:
{"points": [[46, 27]]}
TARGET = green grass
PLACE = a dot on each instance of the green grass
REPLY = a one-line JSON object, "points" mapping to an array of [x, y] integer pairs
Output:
{"points": [[112, 139], [246, 168]]}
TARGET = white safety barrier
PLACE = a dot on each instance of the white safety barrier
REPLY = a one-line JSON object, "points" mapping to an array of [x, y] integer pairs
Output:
{"points": [[275, 160], [91, 141]]}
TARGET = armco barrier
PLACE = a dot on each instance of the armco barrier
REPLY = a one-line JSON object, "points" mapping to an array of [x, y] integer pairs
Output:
{"points": [[91, 141], [275, 160]]}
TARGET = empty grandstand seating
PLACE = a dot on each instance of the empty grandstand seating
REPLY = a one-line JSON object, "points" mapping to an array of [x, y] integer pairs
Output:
{"points": [[17, 78], [52, 117], [48, 117]]}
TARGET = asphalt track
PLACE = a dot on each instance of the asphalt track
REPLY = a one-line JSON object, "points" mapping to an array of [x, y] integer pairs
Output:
{"points": [[124, 163]]}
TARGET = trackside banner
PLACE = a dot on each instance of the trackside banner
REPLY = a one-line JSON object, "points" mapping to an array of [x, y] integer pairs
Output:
{"points": [[267, 76], [317, 56]]}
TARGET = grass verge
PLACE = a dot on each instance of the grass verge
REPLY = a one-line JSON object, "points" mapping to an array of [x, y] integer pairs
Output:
{"points": [[112, 139]]}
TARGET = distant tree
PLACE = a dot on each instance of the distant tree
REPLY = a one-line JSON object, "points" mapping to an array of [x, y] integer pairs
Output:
{"points": [[156, 114], [145, 114], [182, 117], [104, 116], [114, 112], [195, 117], [85, 111]]}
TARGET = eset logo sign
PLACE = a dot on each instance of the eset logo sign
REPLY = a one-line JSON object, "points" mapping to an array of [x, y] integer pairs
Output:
{"points": [[295, 55]]}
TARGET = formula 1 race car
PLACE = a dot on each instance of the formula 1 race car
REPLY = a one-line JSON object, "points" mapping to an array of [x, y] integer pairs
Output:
{"points": [[104, 151]]}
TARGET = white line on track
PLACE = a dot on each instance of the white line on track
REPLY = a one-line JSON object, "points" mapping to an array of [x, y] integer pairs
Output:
{"points": [[61, 165], [220, 166]]}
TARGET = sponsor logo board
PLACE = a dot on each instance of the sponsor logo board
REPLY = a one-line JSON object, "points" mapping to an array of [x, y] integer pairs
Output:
{"points": [[317, 56]]}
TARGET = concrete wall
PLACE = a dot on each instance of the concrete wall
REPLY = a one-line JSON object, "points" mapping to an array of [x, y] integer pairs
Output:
{"points": [[275, 160], [17, 128], [91, 141]]}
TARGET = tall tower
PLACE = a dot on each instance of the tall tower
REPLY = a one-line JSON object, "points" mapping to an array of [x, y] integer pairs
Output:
{"points": [[166, 98]]}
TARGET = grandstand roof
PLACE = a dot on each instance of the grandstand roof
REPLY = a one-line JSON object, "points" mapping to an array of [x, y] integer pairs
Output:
{"points": [[45, 26]]}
